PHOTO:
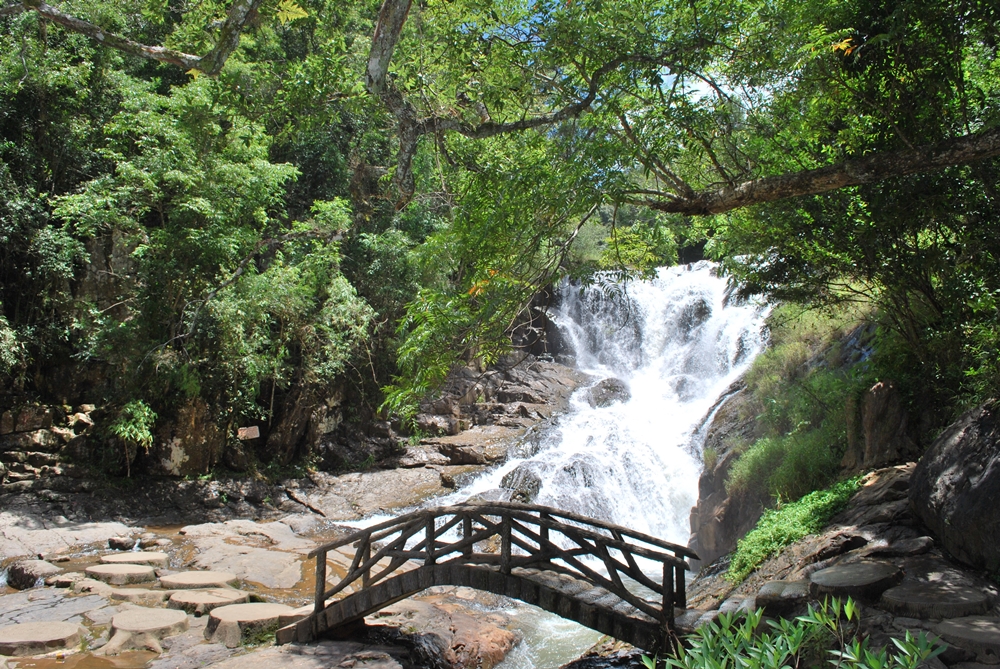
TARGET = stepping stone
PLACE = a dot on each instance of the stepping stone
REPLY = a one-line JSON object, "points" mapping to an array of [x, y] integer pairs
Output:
{"points": [[143, 629], [200, 602], [295, 615], [979, 634], [189, 580], [122, 574], [137, 557], [934, 600], [37, 638], [235, 624], [778, 597], [140, 596], [861, 580]]}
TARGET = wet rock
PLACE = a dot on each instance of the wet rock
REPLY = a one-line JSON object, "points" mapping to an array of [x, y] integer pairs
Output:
{"points": [[37, 638], [448, 635], [122, 543], [29, 573], [435, 424], [607, 392], [956, 484], [523, 483]]}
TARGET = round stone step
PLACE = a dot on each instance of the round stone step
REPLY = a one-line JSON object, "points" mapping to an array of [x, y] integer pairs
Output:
{"points": [[188, 580], [978, 634], [865, 581], [137, 557], [143, 628], [234, 624], [200, 602], [934, 600], [122, 574], [37, 638]]}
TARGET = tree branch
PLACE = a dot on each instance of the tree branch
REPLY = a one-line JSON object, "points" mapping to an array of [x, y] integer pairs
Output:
{"points": [[211, 63], [957, 151]]}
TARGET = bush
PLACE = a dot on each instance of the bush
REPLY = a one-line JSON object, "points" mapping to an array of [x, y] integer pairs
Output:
{"points": [[734, 643], [788, 523]]}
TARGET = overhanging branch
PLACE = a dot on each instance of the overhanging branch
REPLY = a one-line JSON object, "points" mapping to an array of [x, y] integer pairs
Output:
{"points": [[855, 172]]}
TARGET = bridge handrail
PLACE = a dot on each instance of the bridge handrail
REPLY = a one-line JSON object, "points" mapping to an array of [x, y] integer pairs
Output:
{"points": [[504, 508]]}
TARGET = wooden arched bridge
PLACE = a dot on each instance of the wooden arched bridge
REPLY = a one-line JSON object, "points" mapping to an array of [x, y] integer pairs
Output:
{"points": [[539, 555]]}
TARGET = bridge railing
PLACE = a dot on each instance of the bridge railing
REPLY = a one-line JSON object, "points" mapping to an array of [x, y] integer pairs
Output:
{"points": [[528, 536]]}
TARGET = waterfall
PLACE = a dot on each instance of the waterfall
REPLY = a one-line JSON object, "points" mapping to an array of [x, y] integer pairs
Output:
{"points": [[628, 451]]}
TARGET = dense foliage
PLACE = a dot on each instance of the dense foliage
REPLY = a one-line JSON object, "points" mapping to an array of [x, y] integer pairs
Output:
{"points": [[256, 226]]}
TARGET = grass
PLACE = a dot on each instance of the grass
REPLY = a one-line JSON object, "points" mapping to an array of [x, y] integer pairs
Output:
{"points": [[786, 524]]}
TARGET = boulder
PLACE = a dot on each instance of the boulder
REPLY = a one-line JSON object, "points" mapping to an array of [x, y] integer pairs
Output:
{"points": [[237, 623], [37, 638], [523, 483], [956, 485], [121, 543], [27, 573], [607, 392]]}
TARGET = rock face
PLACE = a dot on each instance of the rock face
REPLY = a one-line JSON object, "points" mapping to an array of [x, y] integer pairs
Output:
{"points": [[189, 445], [956, 487], [877, 431], [719, 521]]}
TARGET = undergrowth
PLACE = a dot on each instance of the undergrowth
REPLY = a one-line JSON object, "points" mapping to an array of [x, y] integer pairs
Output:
{"points": [[828, 630], [786, 524]]}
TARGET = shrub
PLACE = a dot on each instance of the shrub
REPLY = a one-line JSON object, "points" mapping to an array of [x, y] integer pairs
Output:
{"points": [[788, 523], [734, 643]]}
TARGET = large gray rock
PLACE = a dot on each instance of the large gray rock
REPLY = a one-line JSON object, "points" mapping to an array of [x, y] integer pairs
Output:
{"points": [[956, 487], [607, 392]]}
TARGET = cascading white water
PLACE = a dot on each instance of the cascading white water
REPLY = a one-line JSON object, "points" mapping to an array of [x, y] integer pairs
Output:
{"points": [[677, 343]]}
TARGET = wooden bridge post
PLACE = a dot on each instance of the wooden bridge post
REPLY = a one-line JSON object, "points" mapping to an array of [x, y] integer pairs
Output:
{"points": [[430, 559], [668, 595], [505, 545], [543, 529], [320, 600], [467, 534], [366, 555], [681, 588]]}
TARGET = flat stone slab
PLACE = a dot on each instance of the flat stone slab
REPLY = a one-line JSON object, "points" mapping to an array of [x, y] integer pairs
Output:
{"points": [[934, 600], [200, 602], [143, 628], [137, 557], [861, 580], [232, 625], [122, 574], [38, 638], [188, 580], [779, 596], [140, 596], [979, 634]]}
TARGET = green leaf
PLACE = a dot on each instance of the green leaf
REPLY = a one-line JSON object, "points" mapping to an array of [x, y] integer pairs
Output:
{"points": [[289, 10]]}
